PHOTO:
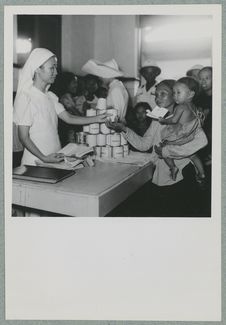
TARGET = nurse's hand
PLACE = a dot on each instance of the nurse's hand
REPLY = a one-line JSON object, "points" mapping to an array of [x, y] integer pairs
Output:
{"points": [[102, 118], [53, 158]]}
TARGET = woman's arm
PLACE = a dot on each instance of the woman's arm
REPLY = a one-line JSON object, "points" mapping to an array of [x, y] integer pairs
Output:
{"points": [[175, 118], [140, 143], [23, 132], [81, 120]]}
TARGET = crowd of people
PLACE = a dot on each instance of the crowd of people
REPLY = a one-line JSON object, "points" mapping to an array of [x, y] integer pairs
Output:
{"points": [[177, 142]]}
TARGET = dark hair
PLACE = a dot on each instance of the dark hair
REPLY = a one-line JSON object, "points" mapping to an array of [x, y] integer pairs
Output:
{"points": [[143, 104], [169, 83], [89, 77], [191, 83], [207, 68], [62, 82]]}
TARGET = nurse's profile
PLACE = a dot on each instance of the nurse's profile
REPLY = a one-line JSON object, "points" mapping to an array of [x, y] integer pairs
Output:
{"points": [[36, 109]]}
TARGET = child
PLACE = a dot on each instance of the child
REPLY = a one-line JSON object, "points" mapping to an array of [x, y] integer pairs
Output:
{"points": [[182, 127], [141, 121]]}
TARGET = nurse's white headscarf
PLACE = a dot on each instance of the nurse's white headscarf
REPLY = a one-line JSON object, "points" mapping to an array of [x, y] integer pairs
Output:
{"points": [[37, 58]]}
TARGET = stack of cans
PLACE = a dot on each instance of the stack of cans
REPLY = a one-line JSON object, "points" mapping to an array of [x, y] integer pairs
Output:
{"points": [[106, 142]]}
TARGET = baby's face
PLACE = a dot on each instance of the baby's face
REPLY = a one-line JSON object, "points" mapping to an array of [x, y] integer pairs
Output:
{"points": [[205, 79], [163, 96], [181, 93], [141, 113]]}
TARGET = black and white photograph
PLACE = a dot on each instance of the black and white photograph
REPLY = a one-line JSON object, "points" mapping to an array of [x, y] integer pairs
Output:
{"points": [[112, 150], [112, 115]]}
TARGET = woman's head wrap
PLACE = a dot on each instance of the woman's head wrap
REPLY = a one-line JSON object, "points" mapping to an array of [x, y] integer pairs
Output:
{"points": [[37, 58]]}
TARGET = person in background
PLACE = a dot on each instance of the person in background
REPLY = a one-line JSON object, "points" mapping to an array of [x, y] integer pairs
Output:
{"points": [[178, 197], [108, 72], [146, 92], [181, 128], [66, 88], [204, 101], [36, 109], [193, 72], [91, 85], [102, 92], [140, 122]]}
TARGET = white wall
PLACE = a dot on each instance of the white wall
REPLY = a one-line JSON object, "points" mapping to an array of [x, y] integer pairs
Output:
{"points": [[77, 41], [101, 38]]}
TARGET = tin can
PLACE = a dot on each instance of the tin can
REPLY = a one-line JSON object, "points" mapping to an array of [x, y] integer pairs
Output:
{"points": [[114, 114], [80, 138], [101, 139], [101, 111], [123, 140], [115, 140], [117, 152], [91, 112], [106, 152], [104, 129], [86, 128], [91, 140], [126, 150], [97, 151], [94, 128]]}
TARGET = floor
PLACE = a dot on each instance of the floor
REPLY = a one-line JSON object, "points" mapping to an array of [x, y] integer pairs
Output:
{"points": [[184, 199]]}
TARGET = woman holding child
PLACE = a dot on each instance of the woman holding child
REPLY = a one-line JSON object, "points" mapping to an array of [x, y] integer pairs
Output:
{"points": [[37, 109]]}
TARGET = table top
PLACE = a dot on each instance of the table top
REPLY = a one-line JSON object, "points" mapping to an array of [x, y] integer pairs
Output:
{"points": [[89, 180]]}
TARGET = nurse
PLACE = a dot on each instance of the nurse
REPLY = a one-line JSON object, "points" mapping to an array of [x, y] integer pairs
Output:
{"points": [[36, 109]]}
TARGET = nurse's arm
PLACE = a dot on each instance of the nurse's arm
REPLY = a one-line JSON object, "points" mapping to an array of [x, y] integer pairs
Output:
{"points": [[23, 132], [81, 120]]}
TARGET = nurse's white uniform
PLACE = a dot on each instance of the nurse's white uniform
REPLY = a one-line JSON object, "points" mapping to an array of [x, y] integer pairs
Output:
{"points": [[39, 111]]}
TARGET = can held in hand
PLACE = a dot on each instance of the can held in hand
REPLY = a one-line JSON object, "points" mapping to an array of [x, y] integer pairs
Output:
{"points": [[104, 129], [114, 114]]}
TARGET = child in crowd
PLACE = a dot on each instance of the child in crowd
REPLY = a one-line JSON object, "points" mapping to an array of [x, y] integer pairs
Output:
{"points": [[141, 122], [181, 128], [204, 101], [193, 72], [101, 92]]}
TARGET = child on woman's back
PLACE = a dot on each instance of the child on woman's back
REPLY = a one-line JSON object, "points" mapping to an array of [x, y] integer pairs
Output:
{"points": [[181, 128]]}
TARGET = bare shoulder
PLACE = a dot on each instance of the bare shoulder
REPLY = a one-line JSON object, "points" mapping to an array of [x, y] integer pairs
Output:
{"points": [[181, 107]]}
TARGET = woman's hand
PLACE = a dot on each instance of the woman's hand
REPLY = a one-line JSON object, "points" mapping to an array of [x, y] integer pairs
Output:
{"points": [[117, 126], [53, 158]]}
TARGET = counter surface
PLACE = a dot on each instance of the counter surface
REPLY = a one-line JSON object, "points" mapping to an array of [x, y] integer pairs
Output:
{"points": [[91, 192]]}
